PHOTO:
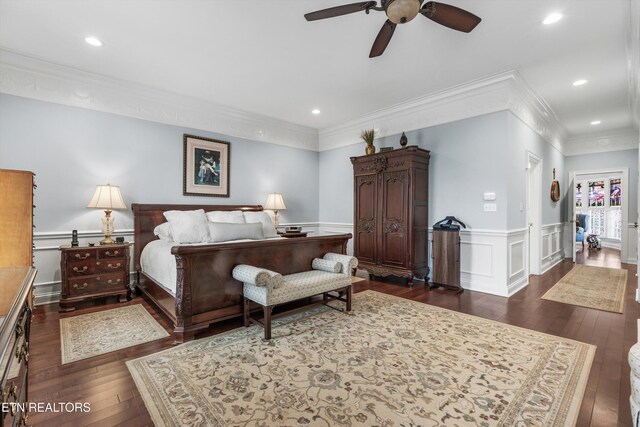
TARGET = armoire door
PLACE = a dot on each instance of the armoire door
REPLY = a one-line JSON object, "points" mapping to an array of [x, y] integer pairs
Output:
{"points": [[394, 207], [365, 213]]}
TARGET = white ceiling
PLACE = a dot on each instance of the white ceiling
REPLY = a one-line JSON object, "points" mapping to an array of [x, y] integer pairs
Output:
{"points": [[262, 56]]}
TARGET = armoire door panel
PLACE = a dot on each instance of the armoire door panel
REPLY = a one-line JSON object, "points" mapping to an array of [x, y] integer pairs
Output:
{"points": [[365, 212], [395, 209]]}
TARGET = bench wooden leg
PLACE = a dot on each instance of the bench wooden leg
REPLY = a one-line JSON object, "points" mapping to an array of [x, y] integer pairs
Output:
{"points": [[247, 322], [267, 321], [349, 294]]}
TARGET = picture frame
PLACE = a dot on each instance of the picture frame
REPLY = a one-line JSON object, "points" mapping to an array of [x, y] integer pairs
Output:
{"points": [[206, 167]]}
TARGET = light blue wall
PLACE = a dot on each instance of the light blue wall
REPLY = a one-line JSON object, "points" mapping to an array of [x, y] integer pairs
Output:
{"points": [[521, 139], [72, 150], [468, 158], [611, 160]]}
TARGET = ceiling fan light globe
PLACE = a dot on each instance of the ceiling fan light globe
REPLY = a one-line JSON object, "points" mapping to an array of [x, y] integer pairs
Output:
{"points": [[401, 11]]}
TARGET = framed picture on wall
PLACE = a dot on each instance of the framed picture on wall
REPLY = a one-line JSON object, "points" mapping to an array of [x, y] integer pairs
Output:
{"points": [[206, 167]]}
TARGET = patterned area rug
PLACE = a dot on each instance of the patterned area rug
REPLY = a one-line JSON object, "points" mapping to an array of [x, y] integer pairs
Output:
{"points": [[393, 362], [592, 287], [102, 332]]}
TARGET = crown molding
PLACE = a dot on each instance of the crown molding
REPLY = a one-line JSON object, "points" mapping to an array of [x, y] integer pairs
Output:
{"points": [[30, 77], [633, 58], [615, 140], [506, 91]]}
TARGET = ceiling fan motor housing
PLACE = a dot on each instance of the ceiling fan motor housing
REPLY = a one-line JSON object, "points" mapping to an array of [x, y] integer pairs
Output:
{"points": [[401, 11]]}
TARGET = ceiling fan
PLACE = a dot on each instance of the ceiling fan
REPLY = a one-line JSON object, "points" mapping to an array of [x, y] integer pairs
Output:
{"points": [[400, 12]]}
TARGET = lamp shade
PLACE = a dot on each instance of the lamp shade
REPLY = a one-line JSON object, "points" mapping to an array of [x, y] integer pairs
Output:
{"points": [[107, 197], [275, 202]]}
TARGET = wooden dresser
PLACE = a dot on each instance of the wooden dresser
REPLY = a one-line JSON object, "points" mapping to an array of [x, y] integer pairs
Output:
{"points": [[391, 212], [93, 272], [16, 282]]}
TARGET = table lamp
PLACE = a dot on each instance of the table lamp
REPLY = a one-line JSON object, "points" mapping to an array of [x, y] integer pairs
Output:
{"points": [[107, 197], [275, 203]]}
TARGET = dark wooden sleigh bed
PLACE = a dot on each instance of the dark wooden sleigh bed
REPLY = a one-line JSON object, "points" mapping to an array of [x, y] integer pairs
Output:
{"points": [[205, 290]]}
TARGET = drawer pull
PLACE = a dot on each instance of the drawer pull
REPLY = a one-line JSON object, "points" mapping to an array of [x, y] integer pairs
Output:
{"points": [[84, 269], [111, 282], [23, 419], [19, 330], [113, 254], [80, 287], [113, 267], [87, 255], [24, 354]]}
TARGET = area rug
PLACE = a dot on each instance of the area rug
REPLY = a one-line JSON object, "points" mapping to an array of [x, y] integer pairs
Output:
{"points": [[592, 287], [92, 334], [392, 362]]}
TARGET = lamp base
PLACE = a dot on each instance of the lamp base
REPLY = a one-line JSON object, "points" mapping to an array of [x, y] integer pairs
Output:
{"points": [[107, 241]]}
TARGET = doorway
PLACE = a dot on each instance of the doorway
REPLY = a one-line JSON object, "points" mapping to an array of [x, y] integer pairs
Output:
{"points": [[534, 213], [601, 195]]}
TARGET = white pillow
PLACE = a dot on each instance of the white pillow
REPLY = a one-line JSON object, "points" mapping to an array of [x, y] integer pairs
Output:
{"points": [[188, 226], [223, 232], [234, 217], [264, 218], [163, 231]]}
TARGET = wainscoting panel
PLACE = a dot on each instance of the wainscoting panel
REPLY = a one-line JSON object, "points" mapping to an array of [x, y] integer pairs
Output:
{"points": [[552, 245], [517, 250]]}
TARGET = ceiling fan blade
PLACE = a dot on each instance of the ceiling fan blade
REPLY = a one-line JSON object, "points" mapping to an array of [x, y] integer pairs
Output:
{"points": [[339, 10], [450, 16], [383, 39]]}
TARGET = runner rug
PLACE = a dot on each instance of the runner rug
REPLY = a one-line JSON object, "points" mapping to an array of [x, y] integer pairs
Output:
{"points": [[392, 362], [92, 334], [592, 287]]}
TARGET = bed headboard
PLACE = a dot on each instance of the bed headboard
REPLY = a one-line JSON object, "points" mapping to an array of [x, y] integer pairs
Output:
{"points": [[148, 217]]}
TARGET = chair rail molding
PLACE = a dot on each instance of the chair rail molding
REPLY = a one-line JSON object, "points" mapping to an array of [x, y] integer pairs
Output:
{"points": [[30, 77]]}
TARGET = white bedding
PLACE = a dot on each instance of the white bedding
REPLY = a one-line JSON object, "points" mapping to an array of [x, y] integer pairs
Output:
{"points": [[158, 263]]}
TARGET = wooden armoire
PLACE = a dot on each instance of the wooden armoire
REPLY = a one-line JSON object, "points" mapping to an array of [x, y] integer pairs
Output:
{"points": [[391, 207]]}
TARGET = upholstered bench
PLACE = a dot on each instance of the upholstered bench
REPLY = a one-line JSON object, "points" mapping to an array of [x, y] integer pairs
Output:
{"points": [[268, 288]]}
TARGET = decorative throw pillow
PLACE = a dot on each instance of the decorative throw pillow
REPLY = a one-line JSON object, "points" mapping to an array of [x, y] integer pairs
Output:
{"points": [[263, 218], [235, 217], [163, 231], [223, 232], [188, 226], [326, 265]]}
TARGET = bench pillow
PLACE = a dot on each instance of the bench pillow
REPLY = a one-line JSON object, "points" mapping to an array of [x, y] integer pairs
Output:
{"points": [[257, 276], [235, 217], [163, 231], [224, 232], [263, 218], [188, 226], [326, 265]]}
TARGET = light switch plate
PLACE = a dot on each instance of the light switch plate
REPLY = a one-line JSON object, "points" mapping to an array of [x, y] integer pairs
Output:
{"points": [[489, 196]]}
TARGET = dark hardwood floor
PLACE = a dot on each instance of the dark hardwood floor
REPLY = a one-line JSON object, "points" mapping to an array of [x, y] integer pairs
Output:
{"points": [[105, 383]]}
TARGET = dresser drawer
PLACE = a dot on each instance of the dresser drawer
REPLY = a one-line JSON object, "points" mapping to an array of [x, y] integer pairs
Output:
{"points": [[112, 252], [98, 283], [110, 265]]}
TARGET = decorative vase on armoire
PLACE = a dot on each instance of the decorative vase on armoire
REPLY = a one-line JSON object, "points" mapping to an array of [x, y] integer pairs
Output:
{"points": [[391, 223]]}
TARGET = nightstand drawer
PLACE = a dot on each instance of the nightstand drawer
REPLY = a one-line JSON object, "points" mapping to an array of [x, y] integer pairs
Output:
{"points": [[81, 268], [101, 283], [111, 265], [111, 253], [89, 255]]}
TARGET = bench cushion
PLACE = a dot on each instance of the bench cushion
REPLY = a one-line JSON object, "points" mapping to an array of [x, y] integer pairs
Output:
{"points": [[297, 286]]}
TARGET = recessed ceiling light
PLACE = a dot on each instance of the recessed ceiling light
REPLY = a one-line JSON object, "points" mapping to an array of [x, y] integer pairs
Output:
{"points": [[552, 19], [580, 82], [596, 122], [315, 111], [93, 41]]}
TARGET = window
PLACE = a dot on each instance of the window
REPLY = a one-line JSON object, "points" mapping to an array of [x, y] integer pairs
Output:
{"points": [[596, 193], [578, 195]]}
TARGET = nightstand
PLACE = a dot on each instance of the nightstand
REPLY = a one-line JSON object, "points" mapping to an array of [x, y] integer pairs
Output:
{"points": [[292, 234], [93, 272]]}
